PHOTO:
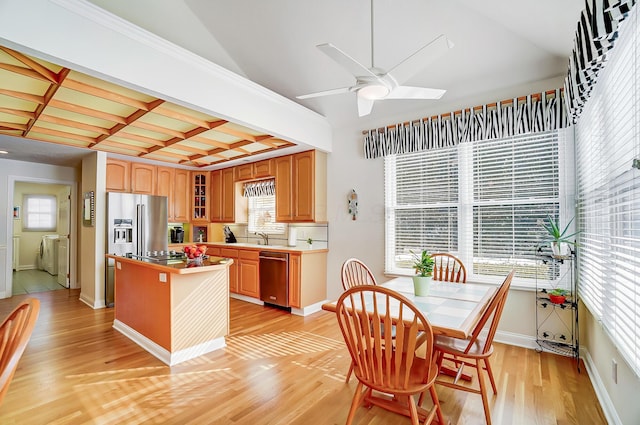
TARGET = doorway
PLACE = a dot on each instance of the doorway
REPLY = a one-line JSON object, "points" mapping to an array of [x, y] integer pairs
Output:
{"points": [[41, 253]]}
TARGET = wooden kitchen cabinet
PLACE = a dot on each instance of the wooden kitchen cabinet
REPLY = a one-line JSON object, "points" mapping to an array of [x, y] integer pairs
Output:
{"points": [[233, 269], [181, 195], [295, 261], [244, 172], [118, 178], [262, 169], [200, 196], [223, 195], [248, 275], [301, 187], [214, 251], [143, 178], [307, 278], [164, 187]]}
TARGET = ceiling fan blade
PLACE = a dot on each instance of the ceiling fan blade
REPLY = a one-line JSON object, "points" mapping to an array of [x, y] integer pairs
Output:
{"points": [[420, 59], [364, 106], [408, 92], [327, 92], [346, 61]]}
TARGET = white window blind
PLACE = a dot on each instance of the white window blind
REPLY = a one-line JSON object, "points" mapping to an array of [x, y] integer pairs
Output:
{"points": [[482, 201], [608, 189], [262, 215], [40, 213]]}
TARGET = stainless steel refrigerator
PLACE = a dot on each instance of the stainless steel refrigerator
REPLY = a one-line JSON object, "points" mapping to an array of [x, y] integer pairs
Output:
{"points": [[137, 225]]}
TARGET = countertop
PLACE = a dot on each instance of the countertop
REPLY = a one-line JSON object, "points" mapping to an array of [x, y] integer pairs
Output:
{"points": [[180, 266], [257, 247]]}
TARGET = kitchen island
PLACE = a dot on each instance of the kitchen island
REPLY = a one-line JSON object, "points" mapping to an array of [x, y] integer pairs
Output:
{"points": [[174, 309]]}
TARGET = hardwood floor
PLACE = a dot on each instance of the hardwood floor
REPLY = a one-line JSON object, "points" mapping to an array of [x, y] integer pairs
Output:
{"points": [[276, 369]]}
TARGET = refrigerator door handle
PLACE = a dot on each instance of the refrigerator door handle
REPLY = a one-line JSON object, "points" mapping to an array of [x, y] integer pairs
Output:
{"points": [[142, 249]]}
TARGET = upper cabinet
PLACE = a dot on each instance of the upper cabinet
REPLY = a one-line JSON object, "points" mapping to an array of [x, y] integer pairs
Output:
{"points": [[118, 175], [254, 170], [200, 196], [181, 196], [143, 178], [164, 187], [223, 195], [301, 187]]}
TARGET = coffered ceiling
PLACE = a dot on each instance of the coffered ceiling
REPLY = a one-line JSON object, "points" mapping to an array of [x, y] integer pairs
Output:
{"points": [[49, 103]]}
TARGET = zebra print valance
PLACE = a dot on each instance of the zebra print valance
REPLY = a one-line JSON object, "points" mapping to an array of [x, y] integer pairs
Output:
{"points": [[595, 35], [259, 188], [528, 114]]}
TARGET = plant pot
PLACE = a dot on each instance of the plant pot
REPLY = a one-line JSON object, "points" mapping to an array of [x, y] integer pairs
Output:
{"points": [[421, 285], [560, 249], [557, 299]]}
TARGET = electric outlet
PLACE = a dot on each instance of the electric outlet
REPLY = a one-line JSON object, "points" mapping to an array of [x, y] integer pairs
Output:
{"points": [[119, 265], [163, 277], [614, 371]]}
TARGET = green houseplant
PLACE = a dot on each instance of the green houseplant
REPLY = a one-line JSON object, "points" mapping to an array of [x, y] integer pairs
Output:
{"points": [[558, 295], [559, 240], [423, 265]]}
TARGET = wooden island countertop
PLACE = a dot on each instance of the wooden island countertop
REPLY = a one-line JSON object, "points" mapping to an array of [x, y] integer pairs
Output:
{"points": [[174, 309]]}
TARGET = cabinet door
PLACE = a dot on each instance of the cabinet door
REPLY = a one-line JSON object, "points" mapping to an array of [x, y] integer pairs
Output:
{"points": [[284, 211], [248, 278], [200, 196], [233, 269], [262, 169], [295, 263], [303, 186], [228, 195], [118, 175], [216, 196], [181, 196], [143, 178], [214, 251], [164, 187], [244, 172]]}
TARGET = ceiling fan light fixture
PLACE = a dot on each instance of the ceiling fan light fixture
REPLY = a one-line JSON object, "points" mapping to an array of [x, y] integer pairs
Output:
{"points": [[373, 91]]}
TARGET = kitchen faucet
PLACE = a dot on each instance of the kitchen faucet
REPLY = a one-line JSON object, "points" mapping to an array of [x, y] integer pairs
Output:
{"points": [[265, 237]]}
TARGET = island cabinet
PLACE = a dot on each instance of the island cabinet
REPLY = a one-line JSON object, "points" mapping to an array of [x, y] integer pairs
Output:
{"points": [[143, 178], [248, 275], [200, 196], [301, 187], [223, 195], [118, 177], [307, 278], [174, 184]]}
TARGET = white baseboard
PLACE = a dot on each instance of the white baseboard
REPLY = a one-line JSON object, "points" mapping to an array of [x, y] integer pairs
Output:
{"points": [[310, 309], [246, 299], [608, 408], [163, 354]]}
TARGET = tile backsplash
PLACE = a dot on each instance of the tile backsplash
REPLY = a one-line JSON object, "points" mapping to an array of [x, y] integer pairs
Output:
{"points": [[319, 232]]}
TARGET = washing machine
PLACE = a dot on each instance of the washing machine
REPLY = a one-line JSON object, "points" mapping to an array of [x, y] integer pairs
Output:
{"points": [[49, 253]]}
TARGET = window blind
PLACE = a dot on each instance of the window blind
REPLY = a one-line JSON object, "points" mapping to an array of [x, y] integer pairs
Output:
{"points": [[40, 212], [482, 201], [262, 215], [608, 189]]}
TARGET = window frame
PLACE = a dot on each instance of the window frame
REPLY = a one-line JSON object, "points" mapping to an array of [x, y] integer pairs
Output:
{"points": [[27, 213]]}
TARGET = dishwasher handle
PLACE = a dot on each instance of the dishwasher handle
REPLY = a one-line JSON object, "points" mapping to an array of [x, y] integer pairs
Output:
{"points": [[273, 258], [277, 256]]}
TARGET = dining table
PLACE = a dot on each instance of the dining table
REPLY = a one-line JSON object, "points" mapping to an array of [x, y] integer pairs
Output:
{"points": [[452, 309]]}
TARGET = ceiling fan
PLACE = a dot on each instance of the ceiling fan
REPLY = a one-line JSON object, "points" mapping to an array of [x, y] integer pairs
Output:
{"points": [[375, 84]]}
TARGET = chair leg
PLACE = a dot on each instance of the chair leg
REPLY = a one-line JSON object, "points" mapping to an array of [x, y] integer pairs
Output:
{"points": [[413, 411], [349, 373], [490, 373], [436, 404], [483, 393], [357, 398]]}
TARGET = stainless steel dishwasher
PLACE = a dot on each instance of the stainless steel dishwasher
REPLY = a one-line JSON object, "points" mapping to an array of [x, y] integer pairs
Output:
{"points": [[274, 278]]}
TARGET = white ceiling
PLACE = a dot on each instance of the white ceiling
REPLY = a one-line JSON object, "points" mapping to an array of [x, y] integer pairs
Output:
{"points": [[499, 44]]}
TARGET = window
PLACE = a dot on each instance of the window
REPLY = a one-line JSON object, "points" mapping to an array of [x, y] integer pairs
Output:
{"points": [[39, 213], [608, 202], [481, 201], [262, 215]]}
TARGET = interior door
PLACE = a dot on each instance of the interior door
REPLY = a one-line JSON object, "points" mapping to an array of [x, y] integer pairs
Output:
{"points": [[64, 220]]}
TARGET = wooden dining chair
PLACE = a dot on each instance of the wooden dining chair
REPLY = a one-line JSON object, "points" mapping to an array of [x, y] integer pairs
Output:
{"points": [[15, 333], [475, 351], [448, 268], [354, 272], [382, 330]]}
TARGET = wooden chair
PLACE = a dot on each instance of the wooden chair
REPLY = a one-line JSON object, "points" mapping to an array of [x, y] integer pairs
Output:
{"points": [[382, 350], [15, 333], [475, 351], [354, 272], [448, 268]]}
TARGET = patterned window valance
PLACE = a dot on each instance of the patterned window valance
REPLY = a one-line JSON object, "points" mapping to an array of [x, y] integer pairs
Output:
{"points": [[596, 33], [528, 114], [259, 188]]}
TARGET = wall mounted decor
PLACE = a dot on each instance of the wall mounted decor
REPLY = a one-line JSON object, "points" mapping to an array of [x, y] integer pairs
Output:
{"points": [[353, 204]]}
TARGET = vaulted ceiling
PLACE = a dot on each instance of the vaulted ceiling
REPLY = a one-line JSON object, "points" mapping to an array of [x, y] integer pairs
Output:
{"points": [[502, 48]]}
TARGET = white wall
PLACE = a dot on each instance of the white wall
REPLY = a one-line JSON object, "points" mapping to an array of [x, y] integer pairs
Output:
{"points": [[10, 172]]}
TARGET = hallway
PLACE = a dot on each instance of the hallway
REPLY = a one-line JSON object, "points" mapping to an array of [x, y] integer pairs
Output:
{"points": [[30, 281]]}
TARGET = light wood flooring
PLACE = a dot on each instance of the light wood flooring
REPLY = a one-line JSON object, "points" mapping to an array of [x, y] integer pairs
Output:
{"points": [[276, 369]]}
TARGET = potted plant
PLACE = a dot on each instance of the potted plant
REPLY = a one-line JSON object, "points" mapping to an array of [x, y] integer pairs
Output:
{"points": [[559, 240], [423, 265], [557, 295], [310, 242]]}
